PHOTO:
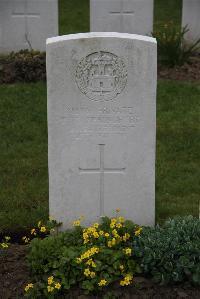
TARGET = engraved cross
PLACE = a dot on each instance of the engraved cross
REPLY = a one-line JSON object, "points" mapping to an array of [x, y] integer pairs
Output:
{"points": [[102, 170], [121, 13]]}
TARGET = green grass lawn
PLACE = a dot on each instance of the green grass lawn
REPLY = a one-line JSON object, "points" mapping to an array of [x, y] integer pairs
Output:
{"points": [[166, 11], [23, 147], [73, 16]]}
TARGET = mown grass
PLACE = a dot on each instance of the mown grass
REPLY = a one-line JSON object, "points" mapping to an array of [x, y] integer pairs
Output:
{"points": [[178, 149], [166, 11], [23, 147], [73, 16], [23, 159]]}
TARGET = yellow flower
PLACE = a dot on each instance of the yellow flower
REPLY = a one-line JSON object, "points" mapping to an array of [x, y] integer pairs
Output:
{"points": [[121, 267], [114, 232], [121, 219], [106, 235], [113, 242], [7, 238], [128, 251], [57, 286], [39, 224], [77, 223], [43, 229], [50, 289], [127, 280], [113, 222], [101, 232], [90, 262], [87, 272], [92, 274], [96, 225], [78, 260], [25, 239], [126, 237], [29, 286], [138, 231], [4, 245], [119, 225], [96, 235], [33, 231], [50, 280], [102, 282], [109, 244]]}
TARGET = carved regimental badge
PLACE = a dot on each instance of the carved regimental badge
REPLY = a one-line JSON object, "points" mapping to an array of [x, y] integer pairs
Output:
{"points": [[101, 76]]}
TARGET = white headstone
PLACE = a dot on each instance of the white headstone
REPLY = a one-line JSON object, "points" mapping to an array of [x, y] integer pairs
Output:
{"points": [[191, 17], [26, 24], [101, 126], [130, 16]]}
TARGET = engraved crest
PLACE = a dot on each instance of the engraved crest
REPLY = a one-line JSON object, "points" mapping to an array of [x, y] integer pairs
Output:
{"points": [[101, 75]]}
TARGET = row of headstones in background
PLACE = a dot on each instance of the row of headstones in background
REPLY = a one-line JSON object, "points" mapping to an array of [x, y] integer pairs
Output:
{"points": [[191, 17], [26, 24], [136, 16], [101, 126]]}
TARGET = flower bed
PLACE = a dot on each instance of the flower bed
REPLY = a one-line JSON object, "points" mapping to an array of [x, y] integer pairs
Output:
{"points": [[108, 260]]}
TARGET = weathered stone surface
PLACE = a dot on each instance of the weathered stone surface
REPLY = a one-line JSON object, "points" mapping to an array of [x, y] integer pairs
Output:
{"points": [[26, 24], [130, 16], [101, 126], [191, 17]]}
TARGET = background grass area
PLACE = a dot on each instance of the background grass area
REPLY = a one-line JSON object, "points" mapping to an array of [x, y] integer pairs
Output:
{"points": [[178, 149], [23, 147], [23, 159], [74, 14], [23, 131], [166, 11]]}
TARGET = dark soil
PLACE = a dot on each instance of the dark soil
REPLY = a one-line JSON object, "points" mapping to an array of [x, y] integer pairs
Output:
{"points": [[14, 276], [187, 72]]}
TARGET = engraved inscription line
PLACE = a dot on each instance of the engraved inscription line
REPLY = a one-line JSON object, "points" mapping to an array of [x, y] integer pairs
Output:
{"points": [[102, 170]]}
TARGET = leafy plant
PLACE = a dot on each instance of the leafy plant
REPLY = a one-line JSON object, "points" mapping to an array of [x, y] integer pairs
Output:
{"points": [[90, 258], [173, 49], [23, 66], [171, 253]]}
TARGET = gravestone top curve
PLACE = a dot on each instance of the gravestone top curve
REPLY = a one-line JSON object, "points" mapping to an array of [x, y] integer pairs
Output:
{"points": [[99, 34]]}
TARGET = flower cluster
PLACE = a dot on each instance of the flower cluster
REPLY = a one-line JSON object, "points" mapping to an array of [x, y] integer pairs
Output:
{"points": [[97, 240], [41, 230], [88, 254], [127, 280], [52, 285]]}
